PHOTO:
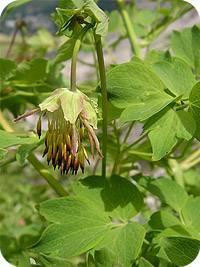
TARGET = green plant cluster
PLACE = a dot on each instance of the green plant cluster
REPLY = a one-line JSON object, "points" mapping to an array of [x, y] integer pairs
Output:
{"points": [[141, 207]]}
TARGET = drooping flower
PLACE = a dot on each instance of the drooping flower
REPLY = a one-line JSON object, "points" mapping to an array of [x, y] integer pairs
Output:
{"points": [[71, 120]]}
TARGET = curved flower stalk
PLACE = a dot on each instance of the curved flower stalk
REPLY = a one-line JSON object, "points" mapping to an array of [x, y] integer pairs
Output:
{"points": [[71, 118]]}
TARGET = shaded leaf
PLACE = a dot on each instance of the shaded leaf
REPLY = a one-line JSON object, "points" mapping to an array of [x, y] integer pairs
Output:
{"points": [[191, 213], [7, 67], [180, 250], [131, 235], [101, 258], [118, 197], [163, 219], [144, 263]]}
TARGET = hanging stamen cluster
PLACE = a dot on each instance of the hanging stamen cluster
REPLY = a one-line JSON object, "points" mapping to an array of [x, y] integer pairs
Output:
{"points": [[64, 146]]}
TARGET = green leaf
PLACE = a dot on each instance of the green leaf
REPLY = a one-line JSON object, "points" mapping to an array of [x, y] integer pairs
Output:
{"points": [[91, 8], [192, 181], [102, 258], [54, 262], [145, 109], [14, 5], [186, 45], [118, 197], [113, 112], [3, 153], [176, 75], [163, 219], [74, 3], [6, 68], [173, 231], [135, 87], [191, 213], [65, 51], [154, 56], [24, 150], [14, 248], [169, 192], [194, 101], [144, 263], [166, 128], [30, 72], [124, 243], [77, 227], [12, 139], [42, 39], [180, 250], [95, 217], [116, 23], [131, 83], [145, 17]]}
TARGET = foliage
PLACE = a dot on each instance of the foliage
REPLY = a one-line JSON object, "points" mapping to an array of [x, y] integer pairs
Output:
{"points": [[142, 208]]}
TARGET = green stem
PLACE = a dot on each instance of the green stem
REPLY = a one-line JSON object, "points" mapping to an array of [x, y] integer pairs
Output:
{"points": [[191, 158], [135, 142], [120, 153], [5, 125], [190, 164], [74, 63], [11, 43], [76, 49], [92, 65], [129, 27], [47, 175], [102, 74], [117, 158], [129, 131], [176, 171]]}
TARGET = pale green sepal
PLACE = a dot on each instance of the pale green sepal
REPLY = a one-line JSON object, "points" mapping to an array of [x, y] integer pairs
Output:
{"points": [[51, 103], [72, 105]]}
